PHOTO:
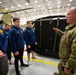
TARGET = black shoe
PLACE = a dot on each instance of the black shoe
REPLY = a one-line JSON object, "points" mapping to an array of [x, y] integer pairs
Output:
{"points": [[18, 73], [24, 65]]}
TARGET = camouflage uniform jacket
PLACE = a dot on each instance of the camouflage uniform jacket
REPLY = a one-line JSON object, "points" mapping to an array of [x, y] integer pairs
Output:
{"points": [[67, 47]]}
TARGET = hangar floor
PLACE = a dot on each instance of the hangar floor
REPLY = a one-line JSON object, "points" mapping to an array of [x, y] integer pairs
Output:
{"points": [[40, 66]]}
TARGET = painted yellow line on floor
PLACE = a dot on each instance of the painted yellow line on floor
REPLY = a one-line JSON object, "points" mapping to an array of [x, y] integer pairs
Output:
{"points": [[8, 74], [43, 61]]}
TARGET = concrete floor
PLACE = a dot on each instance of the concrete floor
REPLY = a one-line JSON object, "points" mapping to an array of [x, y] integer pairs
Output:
{"points": [[40, 66]]}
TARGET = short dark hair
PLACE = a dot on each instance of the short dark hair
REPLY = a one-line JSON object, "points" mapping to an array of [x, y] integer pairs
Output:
{"points": [[28, 21], [6, 25], [16, 18]]}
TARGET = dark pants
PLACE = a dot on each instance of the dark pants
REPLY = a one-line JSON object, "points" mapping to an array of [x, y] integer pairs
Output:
{"points": [[3, 65], [9, 54], [17, 58], [33, 47]]}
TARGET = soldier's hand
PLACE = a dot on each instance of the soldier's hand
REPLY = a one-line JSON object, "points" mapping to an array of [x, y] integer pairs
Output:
{"points": [[56, 29], [66, 71]]}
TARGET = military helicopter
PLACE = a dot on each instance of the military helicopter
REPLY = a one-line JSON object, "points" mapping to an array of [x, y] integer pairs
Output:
{"points": [[6, 17]]}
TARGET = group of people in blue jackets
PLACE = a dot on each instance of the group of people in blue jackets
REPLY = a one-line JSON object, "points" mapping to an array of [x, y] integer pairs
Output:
{"points": [[13, 40]]}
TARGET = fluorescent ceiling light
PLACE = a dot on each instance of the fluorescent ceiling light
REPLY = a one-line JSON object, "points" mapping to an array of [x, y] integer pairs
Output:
{"points": [[71, 0], [37, 13], [58, 2], [49, 7], [21, 15], [12, 7], [67, 9], [19, 5], [28, 11], [68, 4], [17, 13], [58, 9], [39, 6], [36, 1], [6, 8], [22, 12], [0, 2], [34, 9], [27, 4], [58, 6], [46, 0], [48, 4], [12, 14], [41, 9]]}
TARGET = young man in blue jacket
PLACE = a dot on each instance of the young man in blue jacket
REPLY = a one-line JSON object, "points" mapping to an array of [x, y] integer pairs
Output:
{"points": [[7, 30], [30, 39], [17, 44], [3, 48]]}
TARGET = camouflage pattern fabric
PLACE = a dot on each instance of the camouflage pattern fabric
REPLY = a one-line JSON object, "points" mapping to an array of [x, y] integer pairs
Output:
{"points": [[67, 50]]}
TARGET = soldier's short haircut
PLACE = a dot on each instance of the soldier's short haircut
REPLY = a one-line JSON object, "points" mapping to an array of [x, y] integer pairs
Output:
{"points": [[74, 9], [16, 18]]}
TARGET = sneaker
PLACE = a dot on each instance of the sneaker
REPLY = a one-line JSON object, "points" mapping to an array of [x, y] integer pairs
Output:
{"points": [[56, 73], [33, 57], [28, 62], [24, 65], [10, 63]]}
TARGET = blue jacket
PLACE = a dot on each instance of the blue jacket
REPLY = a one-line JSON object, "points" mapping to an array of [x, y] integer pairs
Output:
{"points": [[29, 36], [16, 38], [3, 40], [7, 35]]}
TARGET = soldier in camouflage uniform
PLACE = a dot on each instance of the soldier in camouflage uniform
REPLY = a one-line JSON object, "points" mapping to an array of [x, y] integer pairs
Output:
{"points": [[67, 47]]}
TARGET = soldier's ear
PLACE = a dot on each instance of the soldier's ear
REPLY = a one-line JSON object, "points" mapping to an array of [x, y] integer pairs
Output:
{"points": [[75, 15]]}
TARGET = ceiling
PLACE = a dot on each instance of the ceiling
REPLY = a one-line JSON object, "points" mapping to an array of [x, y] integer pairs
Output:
{"points": [[40, 8]]}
